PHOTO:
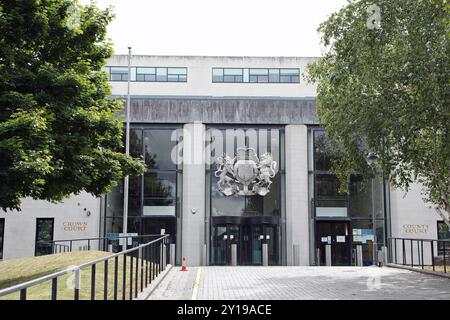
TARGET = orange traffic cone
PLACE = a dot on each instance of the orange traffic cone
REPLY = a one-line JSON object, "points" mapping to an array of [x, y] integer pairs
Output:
{"points": [[183, 265]]}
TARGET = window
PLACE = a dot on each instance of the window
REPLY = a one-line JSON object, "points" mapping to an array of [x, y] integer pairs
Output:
{"points": [[262, 140], [289, 75], [158, 147], [148, 74], [44, 236], [443, 234], [322, 152], [118, 74], [256, 75], [233, 75], [176, 74], [2, 234]]}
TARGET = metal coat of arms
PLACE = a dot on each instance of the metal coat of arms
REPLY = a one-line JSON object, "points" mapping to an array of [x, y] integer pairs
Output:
{"points": [[245, 174]]}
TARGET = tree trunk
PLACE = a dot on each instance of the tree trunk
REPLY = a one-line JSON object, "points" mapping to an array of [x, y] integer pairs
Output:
{"points": [[444, 216]]}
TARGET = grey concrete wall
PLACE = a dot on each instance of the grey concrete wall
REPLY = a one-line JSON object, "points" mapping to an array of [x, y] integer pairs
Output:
{"points": [[226, 110], [297, 209], [71, 222], [193, 232]]}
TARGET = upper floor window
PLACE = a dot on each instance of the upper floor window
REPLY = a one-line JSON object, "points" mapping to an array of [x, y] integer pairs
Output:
{"points": [[147, 74], [256, 75]]}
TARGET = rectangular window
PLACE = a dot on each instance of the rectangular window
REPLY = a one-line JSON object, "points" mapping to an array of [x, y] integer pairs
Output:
{"points": [[148, 74], [217, 75], [118, 73], [256, 75], [44, 236], [161, 74], [443, 234], [289, 75], [159, 194], [177, 74], [259, 75], [159, 149], [2, 234]]}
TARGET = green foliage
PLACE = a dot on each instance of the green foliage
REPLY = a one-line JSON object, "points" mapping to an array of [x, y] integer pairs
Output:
{"points": [[386, 88], [59, 133]]}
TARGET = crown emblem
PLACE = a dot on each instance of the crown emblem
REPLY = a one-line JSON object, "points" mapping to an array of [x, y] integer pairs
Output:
{"points": [[245, 174]]}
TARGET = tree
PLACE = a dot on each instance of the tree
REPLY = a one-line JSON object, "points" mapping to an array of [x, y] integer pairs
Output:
{"points": [[59, 130], [383, 86]]}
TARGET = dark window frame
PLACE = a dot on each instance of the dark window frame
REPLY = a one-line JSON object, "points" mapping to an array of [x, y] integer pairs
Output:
{"points": [[177, 170], [180, 77], [36, 232], [293, 78]]}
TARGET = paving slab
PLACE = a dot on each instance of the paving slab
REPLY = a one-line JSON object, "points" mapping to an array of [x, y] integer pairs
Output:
{"points": [[300, 283]]}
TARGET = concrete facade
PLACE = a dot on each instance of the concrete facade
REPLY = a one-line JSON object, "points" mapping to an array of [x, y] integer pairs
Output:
{"points": [[196, 104], [71, 221]]}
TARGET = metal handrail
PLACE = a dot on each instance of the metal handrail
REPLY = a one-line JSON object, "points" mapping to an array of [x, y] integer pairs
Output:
{"points": [[103, 238], [399, 245], [52, 276]]}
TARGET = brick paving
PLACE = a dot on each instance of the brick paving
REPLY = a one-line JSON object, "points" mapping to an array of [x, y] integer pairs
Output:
{"points": [[288, 283]]}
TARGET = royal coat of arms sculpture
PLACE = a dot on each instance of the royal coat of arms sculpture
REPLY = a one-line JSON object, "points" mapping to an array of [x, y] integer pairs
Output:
{"points": [[245, 174]]}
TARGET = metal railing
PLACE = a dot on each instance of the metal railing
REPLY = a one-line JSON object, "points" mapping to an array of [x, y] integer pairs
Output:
{"points": [[138, 266], [99, 243], [421, 253]]}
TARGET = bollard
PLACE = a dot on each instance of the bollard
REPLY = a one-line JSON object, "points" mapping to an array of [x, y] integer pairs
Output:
{"points": [[359, 256], [317, 256], [382, 256], [172, 254], [183, 264], [328, 255], [265, 254], [234, 254], [296, 254]]}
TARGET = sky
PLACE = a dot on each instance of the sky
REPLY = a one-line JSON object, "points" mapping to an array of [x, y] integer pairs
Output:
{"points": [[218, 28]]}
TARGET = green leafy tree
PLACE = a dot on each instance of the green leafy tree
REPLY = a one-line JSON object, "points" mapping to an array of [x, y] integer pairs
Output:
{"points": [[383, 85], [59, 130]]}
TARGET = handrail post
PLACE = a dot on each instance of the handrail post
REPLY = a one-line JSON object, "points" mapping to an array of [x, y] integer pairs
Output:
{"points": [[445, 253], [432, 254], [403, 251], [77, 282], [395, 250], [421, 248]]}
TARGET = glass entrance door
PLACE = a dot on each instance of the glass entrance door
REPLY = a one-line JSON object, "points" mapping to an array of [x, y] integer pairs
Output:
{"points": [[249, 239], [224, 236], [334, 233]]}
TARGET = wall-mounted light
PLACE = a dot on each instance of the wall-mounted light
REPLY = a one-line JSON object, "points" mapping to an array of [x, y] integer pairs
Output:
{"points": [[194, 210]]}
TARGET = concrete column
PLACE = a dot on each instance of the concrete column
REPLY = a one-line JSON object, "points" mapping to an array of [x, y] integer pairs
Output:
{"points": [[297, 209], [193, 215]]}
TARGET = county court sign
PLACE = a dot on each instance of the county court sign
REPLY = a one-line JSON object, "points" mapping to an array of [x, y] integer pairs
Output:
{"points": [[416, 228]]}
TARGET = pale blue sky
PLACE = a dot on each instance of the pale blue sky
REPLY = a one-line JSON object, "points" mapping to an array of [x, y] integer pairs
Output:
{"points": [[211, 27]]}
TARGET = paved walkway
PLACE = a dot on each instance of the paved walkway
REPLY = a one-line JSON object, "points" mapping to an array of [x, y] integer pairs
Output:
{"points": [[253, 283]]}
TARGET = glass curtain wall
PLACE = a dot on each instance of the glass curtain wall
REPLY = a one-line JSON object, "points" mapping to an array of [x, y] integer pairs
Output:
{"points": [[248, 221], [350, 213], [153, 201]]}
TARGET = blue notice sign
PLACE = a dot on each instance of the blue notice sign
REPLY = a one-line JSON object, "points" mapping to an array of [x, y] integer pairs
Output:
{"points": [[112, 236]]}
